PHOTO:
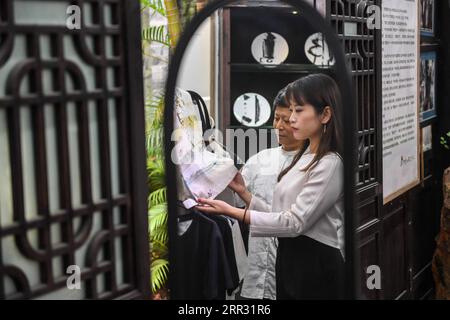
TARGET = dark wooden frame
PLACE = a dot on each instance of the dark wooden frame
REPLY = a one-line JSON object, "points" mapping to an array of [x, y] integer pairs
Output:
{"points": [[139, 189], [348, 123]]}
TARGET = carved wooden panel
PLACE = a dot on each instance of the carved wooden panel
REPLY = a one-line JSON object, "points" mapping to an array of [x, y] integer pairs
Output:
{"points": [[349, 19], [66, 194]]}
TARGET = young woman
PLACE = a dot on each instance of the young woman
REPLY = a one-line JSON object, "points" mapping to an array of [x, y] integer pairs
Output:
{"points": [[307, 208], [260, 174]]}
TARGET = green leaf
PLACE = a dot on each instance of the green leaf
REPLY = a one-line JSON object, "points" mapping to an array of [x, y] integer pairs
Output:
{"points": [[157, 34], [157, 218], [156, 173], [154, 126], [188, 11], [159, 248], [157, 197], [156, 102], [157, 5], [159, 273], [160, 234], [154, 142]]}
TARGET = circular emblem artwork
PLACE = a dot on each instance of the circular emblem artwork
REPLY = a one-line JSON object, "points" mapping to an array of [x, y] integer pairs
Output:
{"points": [[251, 109], [270, 48], [317, 51]]}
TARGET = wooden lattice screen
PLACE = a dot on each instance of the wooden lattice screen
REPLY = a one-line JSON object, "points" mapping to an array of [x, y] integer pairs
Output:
{"points": [[72, 157]]}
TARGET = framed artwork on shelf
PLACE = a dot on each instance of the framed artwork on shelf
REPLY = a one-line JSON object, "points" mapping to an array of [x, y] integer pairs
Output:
{"points": [[427, 138], [427, 18], [262, 59], [426, 154], [427, 86]]}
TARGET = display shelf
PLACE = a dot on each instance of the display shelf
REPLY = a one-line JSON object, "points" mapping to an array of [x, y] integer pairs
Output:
{"points": [[283, 68]]}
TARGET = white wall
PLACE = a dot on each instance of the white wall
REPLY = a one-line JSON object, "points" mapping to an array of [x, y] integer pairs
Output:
{"points": [[195, 70]]}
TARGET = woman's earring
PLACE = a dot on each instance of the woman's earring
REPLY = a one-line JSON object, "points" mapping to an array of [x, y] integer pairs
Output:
{"points": [[324, 128]]}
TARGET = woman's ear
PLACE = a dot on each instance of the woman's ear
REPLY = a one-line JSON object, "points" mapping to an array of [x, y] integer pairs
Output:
{"points": [[326, 115]]}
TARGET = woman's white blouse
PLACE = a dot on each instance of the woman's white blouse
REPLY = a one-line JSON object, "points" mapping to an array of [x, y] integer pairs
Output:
{"points": [[305, 203]]}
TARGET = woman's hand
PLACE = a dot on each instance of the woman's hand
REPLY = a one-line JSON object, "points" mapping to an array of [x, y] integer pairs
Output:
{"points": [[238, 184], [214, 207], [221, 207]]}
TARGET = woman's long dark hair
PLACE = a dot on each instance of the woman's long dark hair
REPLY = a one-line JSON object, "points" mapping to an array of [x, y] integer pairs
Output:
{"points": [[318, 90]]}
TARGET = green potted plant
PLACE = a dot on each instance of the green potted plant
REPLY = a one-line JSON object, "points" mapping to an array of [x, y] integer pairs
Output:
{"points": [[445, 141], [157, 202]]}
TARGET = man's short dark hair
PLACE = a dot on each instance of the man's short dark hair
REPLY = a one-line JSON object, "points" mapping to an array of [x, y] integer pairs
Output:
{"points": [[280, 100]]}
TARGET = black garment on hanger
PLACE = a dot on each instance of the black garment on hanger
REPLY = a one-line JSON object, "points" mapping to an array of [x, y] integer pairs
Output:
{"points": [[202, 268], [227, 237]]}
